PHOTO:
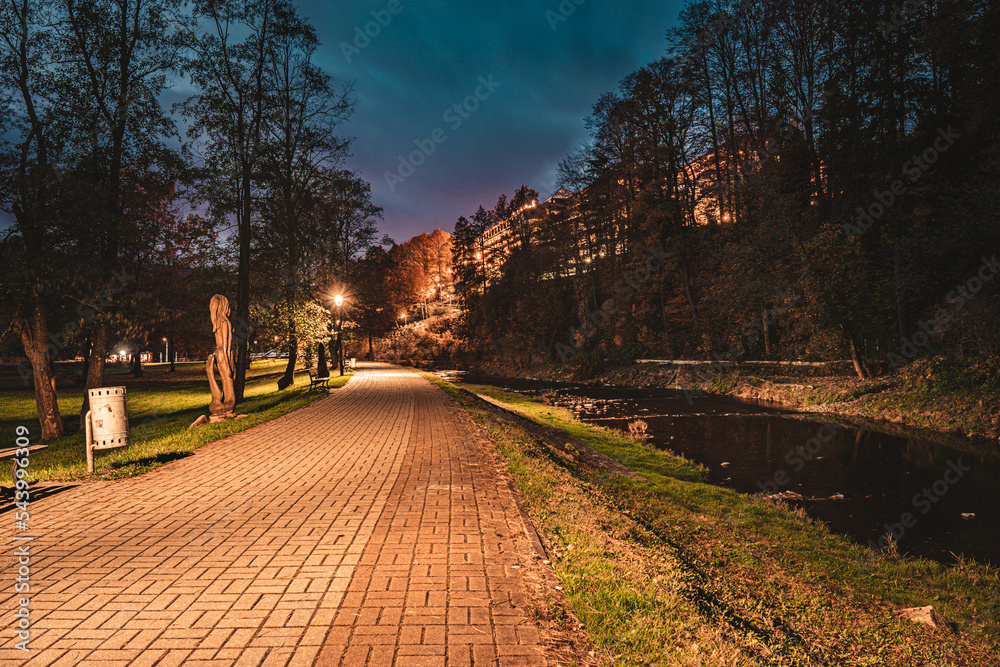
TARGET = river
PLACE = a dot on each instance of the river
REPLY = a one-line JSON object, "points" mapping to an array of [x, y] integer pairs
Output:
{"points": [[938, 499]]}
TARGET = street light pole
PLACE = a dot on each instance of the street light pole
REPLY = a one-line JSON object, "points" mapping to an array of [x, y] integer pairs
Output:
{"points": [[169, 359], [339, 300]]}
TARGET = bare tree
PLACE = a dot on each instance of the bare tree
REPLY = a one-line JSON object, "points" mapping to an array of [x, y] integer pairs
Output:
{"points": [[230, 70], [29, 179]]}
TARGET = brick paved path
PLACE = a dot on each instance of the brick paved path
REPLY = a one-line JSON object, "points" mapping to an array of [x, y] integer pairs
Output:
{"points": [[364, 529]]}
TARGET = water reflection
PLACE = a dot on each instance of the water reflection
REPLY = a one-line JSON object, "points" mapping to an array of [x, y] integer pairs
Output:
{"points": [[862, 483]]}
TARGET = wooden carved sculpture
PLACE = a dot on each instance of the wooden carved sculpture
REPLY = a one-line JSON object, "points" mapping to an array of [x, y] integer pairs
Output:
{"points": [[224, 401]]}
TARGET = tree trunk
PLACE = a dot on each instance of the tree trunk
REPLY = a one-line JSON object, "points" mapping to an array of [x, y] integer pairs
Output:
{"points": [[767, 332], [242, 331], [34, 338], [99, 343], [137, 365], [288, 379], [371, 348], [715, 140], [859, 362], [897, 276], [663, 312], [687, 290]]}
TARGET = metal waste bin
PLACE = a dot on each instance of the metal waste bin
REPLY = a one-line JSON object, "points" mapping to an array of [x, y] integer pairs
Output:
{"points": [[107, 421]]}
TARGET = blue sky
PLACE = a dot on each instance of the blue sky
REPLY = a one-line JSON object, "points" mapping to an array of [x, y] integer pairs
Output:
{"points": [[545, 74]]}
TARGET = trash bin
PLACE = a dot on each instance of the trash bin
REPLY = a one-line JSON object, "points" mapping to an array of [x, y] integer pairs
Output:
{"points": [[107, 421]]}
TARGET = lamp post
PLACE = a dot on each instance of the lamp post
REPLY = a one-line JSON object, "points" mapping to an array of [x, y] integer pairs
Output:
{"points": [[170, 320], [339, 300]]}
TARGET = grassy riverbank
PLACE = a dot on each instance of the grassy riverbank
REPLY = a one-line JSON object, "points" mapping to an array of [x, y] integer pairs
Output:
{"points": [[931, 394], [959, 398], [161, 405], [668, 570]]}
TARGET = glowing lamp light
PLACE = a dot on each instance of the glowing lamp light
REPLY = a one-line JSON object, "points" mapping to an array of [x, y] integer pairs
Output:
{"points": [[339, 300]]}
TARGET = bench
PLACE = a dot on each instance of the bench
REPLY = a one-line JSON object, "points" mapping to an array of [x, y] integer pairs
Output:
{"points": [[317, 383], [8, 454], [11, 455]]}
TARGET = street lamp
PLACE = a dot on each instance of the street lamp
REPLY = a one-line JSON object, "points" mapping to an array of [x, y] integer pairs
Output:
{"points": [[339, 300]]}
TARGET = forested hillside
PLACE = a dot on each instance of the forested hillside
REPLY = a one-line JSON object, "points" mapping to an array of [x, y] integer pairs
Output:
{"points": [[792, 180]]}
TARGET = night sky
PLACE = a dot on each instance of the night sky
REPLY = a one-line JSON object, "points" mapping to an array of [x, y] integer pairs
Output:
{"points": [[431, 55]]}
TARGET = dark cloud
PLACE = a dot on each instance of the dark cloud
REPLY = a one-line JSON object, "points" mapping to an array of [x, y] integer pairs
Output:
{"points": [[431, 56]]}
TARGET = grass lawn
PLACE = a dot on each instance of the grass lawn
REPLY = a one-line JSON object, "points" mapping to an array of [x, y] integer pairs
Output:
{"points": [[161, 406], [670, 570]]}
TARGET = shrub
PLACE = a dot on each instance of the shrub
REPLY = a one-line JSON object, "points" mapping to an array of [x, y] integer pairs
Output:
{"points": [[940, 375]]}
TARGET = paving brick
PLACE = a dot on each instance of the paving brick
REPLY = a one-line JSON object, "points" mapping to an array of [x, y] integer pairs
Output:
{"points": [[364, 529]]}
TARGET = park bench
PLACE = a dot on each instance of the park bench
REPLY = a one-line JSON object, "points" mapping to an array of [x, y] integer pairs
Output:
{"points": [[10, 455], [317, 383]]}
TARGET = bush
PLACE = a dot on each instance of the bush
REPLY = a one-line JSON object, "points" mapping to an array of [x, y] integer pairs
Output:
{"points": [[723, 384], [941, 375]]}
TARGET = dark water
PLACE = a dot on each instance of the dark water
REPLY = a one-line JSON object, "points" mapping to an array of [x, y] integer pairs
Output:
{"points": [[862, 483]]}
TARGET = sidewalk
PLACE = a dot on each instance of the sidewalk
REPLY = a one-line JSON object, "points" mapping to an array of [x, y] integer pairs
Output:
{"points": [[364, 529]]}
